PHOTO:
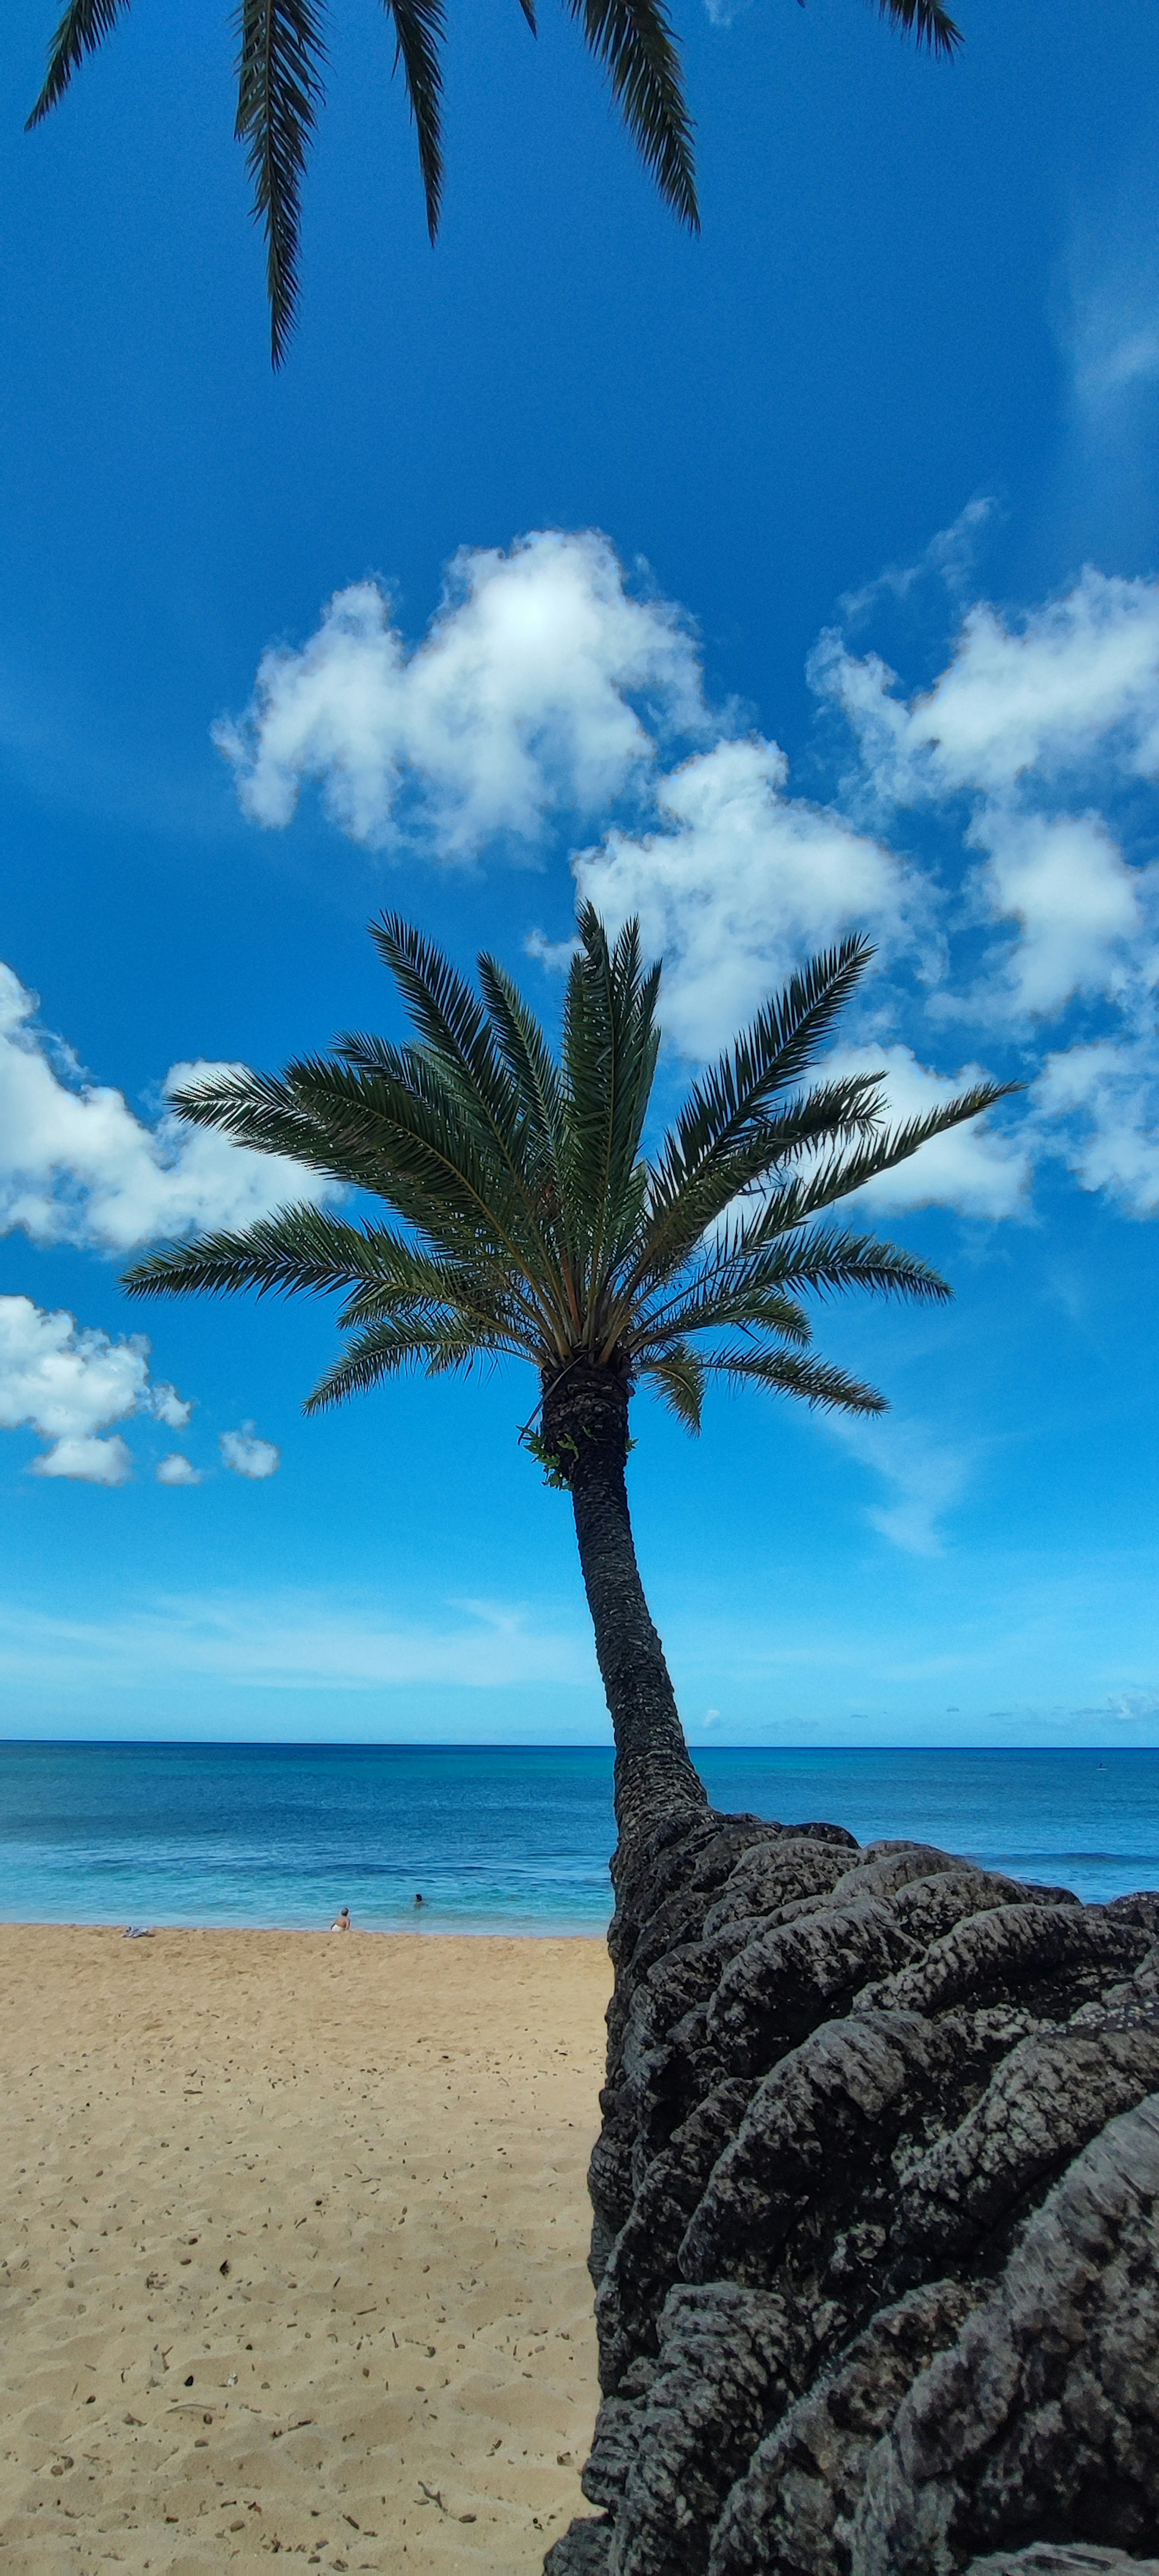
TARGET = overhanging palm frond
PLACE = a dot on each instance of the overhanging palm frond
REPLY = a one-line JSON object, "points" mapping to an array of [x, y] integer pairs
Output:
{"points": [[928, 22], [279, 91], [634, 40], [419, 28], [82, 31]]}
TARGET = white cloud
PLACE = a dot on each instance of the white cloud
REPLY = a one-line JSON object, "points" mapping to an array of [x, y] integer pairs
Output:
{"points": [[1078, 906], [88, 1460], [247, 1455], [521, 699], [1096, 1107], [69, 1384], [176, 1470], [171, 1408], [76, 1165], [739, 884], [1074, 680]]}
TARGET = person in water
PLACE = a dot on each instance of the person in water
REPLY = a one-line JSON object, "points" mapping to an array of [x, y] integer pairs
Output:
{"points": [[341, 1921], [420, 1900]]}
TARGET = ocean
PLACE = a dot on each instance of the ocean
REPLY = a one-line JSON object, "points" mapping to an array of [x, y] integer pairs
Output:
{"points": [[499, 1839]]}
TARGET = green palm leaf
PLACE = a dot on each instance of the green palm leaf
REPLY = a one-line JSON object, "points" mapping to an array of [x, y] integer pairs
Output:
{"points": [[82, 31], [633, 39], [419, 29], [279, 73], [279, 90], [677, 1376], [814, 1381], [928, 22], [392, 1348]]}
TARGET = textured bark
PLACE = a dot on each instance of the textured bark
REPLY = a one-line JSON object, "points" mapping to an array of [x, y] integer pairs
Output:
{"points": [[876, 2204], [585, 1430]]}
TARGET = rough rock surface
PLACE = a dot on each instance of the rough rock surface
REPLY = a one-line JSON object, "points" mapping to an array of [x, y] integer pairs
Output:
{"points": [[876, 2217]]}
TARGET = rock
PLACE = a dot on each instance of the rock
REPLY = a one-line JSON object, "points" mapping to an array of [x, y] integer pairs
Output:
{"points": [[876, 2217], [582, 2550], [1044, 2559]]}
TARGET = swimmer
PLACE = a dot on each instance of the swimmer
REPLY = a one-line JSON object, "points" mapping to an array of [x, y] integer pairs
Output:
{"points": [[420, 1900], [341, 1922]]}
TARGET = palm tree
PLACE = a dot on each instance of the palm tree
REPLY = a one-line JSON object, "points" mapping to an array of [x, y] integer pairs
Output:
{"points": [[281, 60], [536, 1228]]}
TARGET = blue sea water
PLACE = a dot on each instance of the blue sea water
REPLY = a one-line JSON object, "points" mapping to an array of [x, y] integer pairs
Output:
{"points": [[499, 1839]]}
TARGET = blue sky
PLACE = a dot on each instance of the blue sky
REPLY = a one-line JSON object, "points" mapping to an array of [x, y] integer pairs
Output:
{"points": [[795, 578]]}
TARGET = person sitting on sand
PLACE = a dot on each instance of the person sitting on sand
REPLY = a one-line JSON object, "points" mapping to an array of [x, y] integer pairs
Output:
{"points": [[341, 1921]]}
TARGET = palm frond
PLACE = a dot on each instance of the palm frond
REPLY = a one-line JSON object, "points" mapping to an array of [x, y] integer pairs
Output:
{"points": [[813, 1380], [458, 1039], [678, 1378], [376, 1133], [300, 1247], [610, 1047], [843, 1173], [305, 1248], [717, 1306], [528, 1058], [419, 28], [634, 40], [699, 1166], [391, 1348], [928, 21], [279, 91], [82, 30], [775, 1251]]}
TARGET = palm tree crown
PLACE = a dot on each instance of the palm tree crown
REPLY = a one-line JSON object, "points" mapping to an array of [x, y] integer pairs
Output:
{"points": [[536, 1226], [281, 61]]}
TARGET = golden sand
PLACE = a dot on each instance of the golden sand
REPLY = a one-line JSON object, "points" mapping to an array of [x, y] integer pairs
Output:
{"points": [[293, 2248]]}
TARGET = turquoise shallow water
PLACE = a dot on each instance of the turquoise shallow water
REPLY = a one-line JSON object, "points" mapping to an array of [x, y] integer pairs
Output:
{"points": [[498, 1839]]}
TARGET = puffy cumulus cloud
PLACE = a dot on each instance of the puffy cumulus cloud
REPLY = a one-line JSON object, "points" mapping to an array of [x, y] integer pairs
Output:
{"points": [[1096, 1107], [1074, 681], [87, 1459], [1078, 906], [177, 1470], [739, 883], [529, 693], [76, 1165], [170, 1408], [69, 1385], [246, 1455]]}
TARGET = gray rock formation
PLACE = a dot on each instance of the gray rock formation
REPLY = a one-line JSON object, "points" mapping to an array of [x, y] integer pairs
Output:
{"points": [[876, 2218]]}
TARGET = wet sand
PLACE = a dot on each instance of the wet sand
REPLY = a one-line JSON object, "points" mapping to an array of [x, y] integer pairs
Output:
{"points": [[292, 2248]]}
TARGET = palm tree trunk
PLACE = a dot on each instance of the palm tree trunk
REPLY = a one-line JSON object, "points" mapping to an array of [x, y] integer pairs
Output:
{"points": [[585, 1426]]}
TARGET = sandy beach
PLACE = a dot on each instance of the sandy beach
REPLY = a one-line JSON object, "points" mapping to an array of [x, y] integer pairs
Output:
{"points": [[293, 2247]]}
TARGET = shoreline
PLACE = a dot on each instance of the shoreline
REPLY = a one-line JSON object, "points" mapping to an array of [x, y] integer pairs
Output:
{"points": [[295, 2236]]}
